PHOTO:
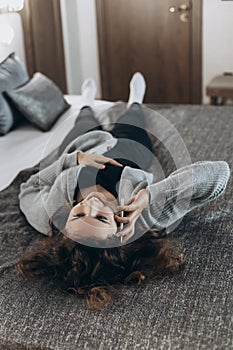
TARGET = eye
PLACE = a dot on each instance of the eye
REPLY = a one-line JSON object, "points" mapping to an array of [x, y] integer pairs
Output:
{"points": [[101, 218], [78, 216]]}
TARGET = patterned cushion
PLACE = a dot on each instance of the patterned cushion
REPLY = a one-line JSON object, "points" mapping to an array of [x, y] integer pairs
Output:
{"points": [[40, 101]]}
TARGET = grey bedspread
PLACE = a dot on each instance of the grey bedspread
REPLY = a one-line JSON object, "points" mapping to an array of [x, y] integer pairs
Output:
{"points": [[185, 312]]}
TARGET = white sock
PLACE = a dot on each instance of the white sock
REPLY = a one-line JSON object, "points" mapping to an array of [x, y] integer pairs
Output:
{"points": [[88, 91], [137, 89]]}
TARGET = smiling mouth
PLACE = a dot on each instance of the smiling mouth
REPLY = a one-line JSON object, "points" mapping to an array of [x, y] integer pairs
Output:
{"points": [[103, 200], [97, 196]]}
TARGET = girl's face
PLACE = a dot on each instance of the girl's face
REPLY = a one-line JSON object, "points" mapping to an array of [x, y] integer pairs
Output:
{"points": [[92, 218]]}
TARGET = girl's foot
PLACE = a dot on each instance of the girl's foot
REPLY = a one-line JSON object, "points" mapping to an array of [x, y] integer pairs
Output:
{"points": [[137, 89], [88, 92]]}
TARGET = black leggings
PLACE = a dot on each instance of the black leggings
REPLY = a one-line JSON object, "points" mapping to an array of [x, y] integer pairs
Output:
{"points": [[133, 143]]}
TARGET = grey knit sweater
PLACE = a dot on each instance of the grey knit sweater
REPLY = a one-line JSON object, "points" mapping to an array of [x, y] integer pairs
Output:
{"points": [[170, 199]]}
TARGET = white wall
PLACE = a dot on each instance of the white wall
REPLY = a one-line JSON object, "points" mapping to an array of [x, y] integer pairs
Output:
{"points": [[17, 44], [71, 46], [217, 39], [80, 42]]}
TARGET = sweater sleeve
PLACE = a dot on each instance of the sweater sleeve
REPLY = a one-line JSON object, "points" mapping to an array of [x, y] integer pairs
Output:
{"points": [[50, 173], [43, 192], [184, 190]]}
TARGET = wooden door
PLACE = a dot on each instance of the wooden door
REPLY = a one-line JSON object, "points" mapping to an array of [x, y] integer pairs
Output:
{"points": [[160, 38], [44, 40]]}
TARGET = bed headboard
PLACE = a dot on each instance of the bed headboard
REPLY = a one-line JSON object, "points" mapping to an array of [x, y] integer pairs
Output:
{"points": [[17, 45]]}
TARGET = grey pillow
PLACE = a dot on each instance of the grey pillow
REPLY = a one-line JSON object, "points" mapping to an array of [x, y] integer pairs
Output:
{"points": [[40, 101], [13, 74], [6, 117]]}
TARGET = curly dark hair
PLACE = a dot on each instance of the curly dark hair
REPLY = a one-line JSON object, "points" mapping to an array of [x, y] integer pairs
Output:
{"points": [[97, 273]]}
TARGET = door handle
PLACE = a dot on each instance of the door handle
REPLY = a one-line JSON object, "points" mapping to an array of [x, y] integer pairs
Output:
{"points": [[183, 7], [180, 8]]}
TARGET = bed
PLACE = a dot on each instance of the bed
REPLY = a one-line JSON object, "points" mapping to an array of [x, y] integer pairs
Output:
{"points": [[191, 311]]}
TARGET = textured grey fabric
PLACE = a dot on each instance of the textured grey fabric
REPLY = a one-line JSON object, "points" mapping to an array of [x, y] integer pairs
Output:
{"points": [[191, 312], [40, 101], [189, 187], [6, 116], [13, 74]]}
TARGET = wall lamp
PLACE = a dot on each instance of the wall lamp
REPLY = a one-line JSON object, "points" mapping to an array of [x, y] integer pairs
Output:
{"points": [[11, 5]]}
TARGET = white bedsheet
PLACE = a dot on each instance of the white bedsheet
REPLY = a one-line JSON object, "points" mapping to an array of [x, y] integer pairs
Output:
{"points": [[26, 146]]}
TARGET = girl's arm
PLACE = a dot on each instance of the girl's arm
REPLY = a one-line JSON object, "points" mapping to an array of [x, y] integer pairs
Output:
{"points": [[44, 192], [186, 189], [164, 203], [51, 188]]}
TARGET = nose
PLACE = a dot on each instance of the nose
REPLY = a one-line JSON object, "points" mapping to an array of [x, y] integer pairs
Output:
{"points": [[94, 204]]}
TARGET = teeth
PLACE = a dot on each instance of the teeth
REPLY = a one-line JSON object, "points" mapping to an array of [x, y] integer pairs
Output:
{"points": [[96, 199]]}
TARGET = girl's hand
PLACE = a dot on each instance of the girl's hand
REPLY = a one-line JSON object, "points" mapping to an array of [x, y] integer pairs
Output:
{"points": [[135, 206], [95, 160]]}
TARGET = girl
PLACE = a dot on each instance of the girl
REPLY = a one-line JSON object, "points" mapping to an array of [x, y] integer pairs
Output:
{"points": [[77, 200]]}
